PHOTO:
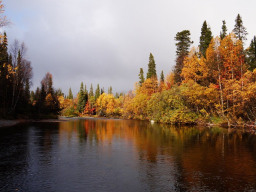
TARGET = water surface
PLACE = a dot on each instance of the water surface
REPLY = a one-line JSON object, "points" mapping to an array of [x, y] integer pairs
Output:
{"points": [[124, 155]]}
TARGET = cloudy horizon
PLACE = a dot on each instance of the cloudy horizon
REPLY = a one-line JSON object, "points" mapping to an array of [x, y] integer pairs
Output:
{"points": [[107, 42]]}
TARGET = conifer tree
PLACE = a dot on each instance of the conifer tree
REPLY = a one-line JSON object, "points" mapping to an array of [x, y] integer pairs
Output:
{"points": [[162, 77], [81, 101], [182, 48], [141, 77], [85, 89], [205, 38], [223, 32], [102, 91], [91, 98], [85, 94], [91, 92], [151, 67], [5, 83], [70, 94], [97, 92], [41, 103], [27, 92], [239, 29], [37, 94], [251, 54], [42, 92]]}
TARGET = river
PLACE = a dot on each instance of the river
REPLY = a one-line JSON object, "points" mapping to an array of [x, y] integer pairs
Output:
{"points": [[125, 155]]}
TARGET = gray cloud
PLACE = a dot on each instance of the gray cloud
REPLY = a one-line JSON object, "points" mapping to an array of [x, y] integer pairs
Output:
{"points": [[106, 42]]}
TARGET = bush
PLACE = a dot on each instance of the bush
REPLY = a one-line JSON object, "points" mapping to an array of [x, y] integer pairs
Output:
{"points": [[69, 111]]}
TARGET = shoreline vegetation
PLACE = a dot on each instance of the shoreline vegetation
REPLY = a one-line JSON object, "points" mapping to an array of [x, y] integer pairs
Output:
{"points": [[213, 83], [9, 123]]}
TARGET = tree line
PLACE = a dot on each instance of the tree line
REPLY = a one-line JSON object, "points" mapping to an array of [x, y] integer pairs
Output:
{"points": [[16, 99], [213, 82]]}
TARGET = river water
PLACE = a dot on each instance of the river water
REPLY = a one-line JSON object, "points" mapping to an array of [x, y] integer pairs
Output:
{"points": [[125, 155]]}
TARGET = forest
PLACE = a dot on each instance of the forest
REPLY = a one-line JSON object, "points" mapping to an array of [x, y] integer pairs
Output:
{"points": [[214, 82], [211, 83]]}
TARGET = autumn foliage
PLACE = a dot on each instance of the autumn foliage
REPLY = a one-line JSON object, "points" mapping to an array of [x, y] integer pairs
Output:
{"points": [[211, 83]]}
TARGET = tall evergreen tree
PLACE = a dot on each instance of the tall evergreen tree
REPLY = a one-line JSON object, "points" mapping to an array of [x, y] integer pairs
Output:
{"points": [[162, 77], [91, 94], [151, 67], [41, 103], [141, 77], [27, 92], [239, 29], [85, 89], [251, 54], [5, 83], [224, 30], [85, 94], [97, 92], [70, 94], [102, 91], [37, 94], [182, 48], [81, 101], [205, 38]]}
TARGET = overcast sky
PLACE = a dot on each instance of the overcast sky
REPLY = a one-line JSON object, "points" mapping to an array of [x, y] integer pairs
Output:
{"points": [[107, 41]]}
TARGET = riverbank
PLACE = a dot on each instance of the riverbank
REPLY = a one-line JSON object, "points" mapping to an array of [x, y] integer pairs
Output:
{"points": [[9, 123], [251, 126]]}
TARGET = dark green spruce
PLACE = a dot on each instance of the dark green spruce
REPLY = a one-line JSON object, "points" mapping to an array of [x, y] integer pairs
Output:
{"points": [[162, 77], [151, 67], [97, 92], [224, 30], [91, 94], [70, 94], [86, 96], [81, 100], [183, 44], [239, 29], [251, 54], [205, 38], [141, 77]]}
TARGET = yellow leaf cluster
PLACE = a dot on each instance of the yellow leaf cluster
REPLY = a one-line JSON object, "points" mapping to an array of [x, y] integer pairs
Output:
{"points": [[195, 68]]}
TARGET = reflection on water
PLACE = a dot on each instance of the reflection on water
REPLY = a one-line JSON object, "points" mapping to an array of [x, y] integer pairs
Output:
{"points": [[123, 155]]}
